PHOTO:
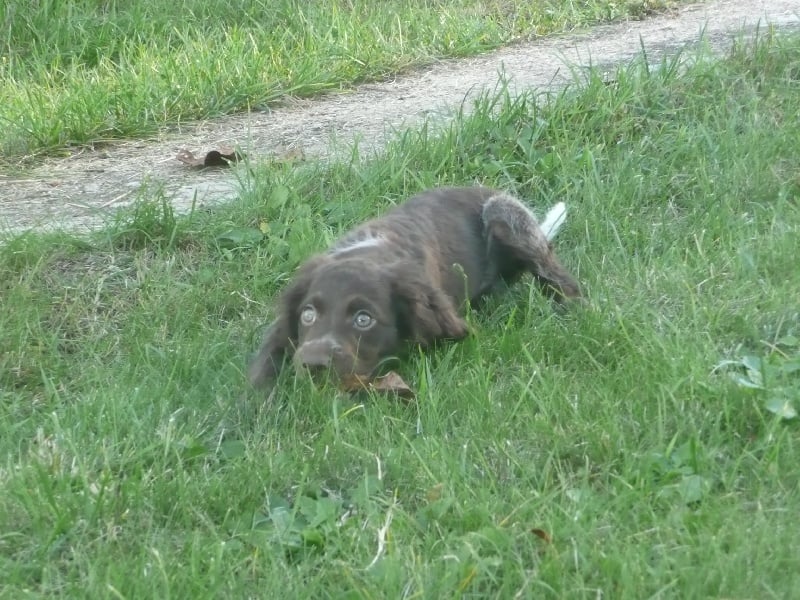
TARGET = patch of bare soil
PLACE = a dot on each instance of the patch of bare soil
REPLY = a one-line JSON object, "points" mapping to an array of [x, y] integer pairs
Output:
{"points": [[76, 192]]}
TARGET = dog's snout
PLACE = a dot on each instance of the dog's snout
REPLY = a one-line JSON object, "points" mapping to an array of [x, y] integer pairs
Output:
{"points": [[318, 354]]}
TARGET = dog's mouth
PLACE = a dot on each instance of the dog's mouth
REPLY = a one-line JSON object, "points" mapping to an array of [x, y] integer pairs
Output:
{"points": [[349, 378], [332, 369]]}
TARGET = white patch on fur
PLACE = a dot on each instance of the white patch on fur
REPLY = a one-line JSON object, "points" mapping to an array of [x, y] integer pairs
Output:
{"points": [[554, 220], [369, 242]]}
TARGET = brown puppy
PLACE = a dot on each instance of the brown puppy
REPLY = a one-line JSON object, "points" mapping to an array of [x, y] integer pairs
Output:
{"points": [[406, 276]]}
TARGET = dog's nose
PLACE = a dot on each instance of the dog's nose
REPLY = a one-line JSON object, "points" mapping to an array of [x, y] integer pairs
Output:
{"points": [[317, 355]]}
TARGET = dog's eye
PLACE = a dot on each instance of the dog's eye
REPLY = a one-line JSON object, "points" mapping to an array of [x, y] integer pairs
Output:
{"points": [[308, 316], [363, 320]]}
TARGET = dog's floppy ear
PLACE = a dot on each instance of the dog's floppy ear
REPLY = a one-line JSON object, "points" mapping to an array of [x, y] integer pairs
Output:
{"points": [[280, 338], [424, 312]]}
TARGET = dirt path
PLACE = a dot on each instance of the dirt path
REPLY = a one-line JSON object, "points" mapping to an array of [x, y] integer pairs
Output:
{"points": [[75, 192]]}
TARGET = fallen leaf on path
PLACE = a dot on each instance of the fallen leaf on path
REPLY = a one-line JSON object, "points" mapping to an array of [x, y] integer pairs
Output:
{"points": [[222, 157]]}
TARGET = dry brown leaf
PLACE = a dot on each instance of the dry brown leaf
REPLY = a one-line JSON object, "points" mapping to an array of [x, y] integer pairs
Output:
{"points": [[390, 383], [222, 157], [541, 533], [353, 383]]}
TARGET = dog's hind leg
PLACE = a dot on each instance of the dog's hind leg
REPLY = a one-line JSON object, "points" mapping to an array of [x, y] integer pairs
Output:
{"points": [[514, 236]]}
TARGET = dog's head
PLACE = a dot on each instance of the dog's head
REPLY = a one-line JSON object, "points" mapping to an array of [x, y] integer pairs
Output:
{"points": [[349, 315], [346, 319]]}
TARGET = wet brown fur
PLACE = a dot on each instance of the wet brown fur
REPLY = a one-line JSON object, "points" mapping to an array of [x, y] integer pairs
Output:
{"points": [[435, 251]]}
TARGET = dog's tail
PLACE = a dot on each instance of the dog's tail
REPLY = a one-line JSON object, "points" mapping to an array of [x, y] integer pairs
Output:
{"points": [[554, 220]]}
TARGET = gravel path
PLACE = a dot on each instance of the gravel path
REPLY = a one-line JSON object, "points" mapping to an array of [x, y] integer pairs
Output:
{"points": [[75, 192]]}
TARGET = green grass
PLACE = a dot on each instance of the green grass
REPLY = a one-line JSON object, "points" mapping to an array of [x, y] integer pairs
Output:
{"points": [[83, 72], [137, 464]]}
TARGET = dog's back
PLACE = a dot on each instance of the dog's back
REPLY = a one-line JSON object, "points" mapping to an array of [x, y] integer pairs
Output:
{"points": [[441, 229]]}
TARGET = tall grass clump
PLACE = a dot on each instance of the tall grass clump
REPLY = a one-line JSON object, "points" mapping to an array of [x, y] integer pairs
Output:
{"points": [[84, 72]]}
